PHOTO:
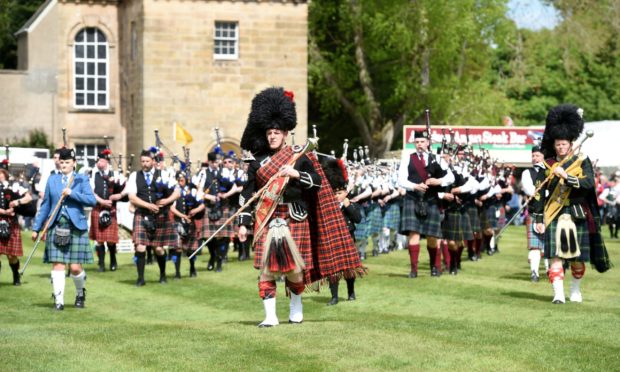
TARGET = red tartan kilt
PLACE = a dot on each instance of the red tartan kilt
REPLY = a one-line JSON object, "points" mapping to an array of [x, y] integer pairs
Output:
{"points": [[165, 233], [108, 234], [191, 242], [210, 227], [300, 231], [13, 246]]}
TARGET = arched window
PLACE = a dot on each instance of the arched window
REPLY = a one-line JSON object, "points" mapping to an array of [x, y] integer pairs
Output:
{"points": [[91, 71]]}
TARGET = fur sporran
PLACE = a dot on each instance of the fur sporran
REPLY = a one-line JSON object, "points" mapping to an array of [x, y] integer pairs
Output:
{"points": [[5, 230], [184, 229], [420, 208], [566, 240], [215, 213], [148, 222], [62, 236]]}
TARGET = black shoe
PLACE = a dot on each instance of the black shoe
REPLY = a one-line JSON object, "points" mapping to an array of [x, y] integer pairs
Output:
{"points": [[16, 280], [413, 274], [453, 271], [333, 301], [79, 300], [362, 256], [140, 283], [162, 279], [210, 265], [149, 261], [534, 277], [292, 322], [192, 273], [59, 307], [351, 297], [218, 268], [375, 252], [177, 276], [473, 258], [113, 267], [435, 272]]}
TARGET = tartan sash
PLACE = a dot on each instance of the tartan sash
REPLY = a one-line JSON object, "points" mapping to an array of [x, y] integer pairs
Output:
{"points": [[560, 192], [268, 201]]}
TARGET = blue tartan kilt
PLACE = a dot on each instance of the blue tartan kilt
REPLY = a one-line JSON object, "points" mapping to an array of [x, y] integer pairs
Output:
{"points": [[474, 218], [76, 252], [361, 228], [375, 219], [582, 235], [429, 226], [451, 226], [466, 228], [391, 216], [534, 239]]}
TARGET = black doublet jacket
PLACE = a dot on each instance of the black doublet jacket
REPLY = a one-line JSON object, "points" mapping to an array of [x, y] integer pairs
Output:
{"points": [[293, 194], [434, 170], [352, 215]]}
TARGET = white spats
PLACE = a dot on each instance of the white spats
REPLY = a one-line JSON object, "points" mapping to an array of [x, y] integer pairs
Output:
{"points": [[79, 281], [58, 286], [558, 292], [575, 291], [296, 315], [534, 259], [271, 319]]}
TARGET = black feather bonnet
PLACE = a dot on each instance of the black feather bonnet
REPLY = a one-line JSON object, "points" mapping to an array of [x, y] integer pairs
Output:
{"points": [[273, 108], [335, 172], [563, 122]]}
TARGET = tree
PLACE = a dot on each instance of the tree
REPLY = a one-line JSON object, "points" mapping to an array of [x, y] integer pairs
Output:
{"points": [[13, 15], [36, 139], [378, 65]]}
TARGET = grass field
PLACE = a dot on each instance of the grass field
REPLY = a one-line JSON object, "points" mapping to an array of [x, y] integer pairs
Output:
{"points": [[489, 317]]}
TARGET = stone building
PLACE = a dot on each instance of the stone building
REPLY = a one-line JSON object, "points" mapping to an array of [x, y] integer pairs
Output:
{"points": [[123, 68]]}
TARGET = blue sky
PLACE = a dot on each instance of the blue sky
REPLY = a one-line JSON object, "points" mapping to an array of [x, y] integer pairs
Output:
{"points": [[532, 14]]}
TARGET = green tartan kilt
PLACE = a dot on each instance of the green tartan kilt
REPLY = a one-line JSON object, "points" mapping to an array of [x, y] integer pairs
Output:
{"points": [[582, 235], [391, 216], [375, 219], [77, 252], [474, 218], [488, 218], [361, 228], [451, 226], [428, 226], [466, 228]]}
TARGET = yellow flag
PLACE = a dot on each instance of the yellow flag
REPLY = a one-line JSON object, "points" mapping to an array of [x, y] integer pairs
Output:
{"points": [[181, 135]]}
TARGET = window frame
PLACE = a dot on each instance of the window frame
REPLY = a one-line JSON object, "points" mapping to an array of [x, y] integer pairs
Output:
{"points": [[85, 76], [235, 40], [97, 147]]}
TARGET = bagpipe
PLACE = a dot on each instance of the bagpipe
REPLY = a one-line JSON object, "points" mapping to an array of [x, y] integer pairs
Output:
{"points": [[28, 209]]}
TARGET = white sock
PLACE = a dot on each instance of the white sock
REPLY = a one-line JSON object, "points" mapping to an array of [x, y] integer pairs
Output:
{"points": [[58, 286], [546, 264], [534, 257], [79, 280]]}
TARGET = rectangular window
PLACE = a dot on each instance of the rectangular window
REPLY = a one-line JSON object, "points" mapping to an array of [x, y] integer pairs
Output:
{"points": [[226, 41], [90, 68], [86, 155]]}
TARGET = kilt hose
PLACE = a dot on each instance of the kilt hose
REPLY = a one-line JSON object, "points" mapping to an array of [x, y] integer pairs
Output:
{"points": [[209, 227], [103, 234], [534, 239], [375, 219], [190, 242], [13, 245], [428, 226], [78, 251], [300, 231], [391, 215], [165, 230], [474, 217], [451, 226], [361, 228]]}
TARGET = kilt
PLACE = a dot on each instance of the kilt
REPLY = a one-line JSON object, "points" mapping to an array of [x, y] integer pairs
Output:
{"points": [[12, 246], [466, 228], [375, 219], [582, 235], [429, 226], [165, 232], [190, 243], [391, 215], [300, 231], [210, 227], [451, 227], [474, 218], [106, 234], [361, 228], [78, 251], [534, 239], [488, 219]]}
